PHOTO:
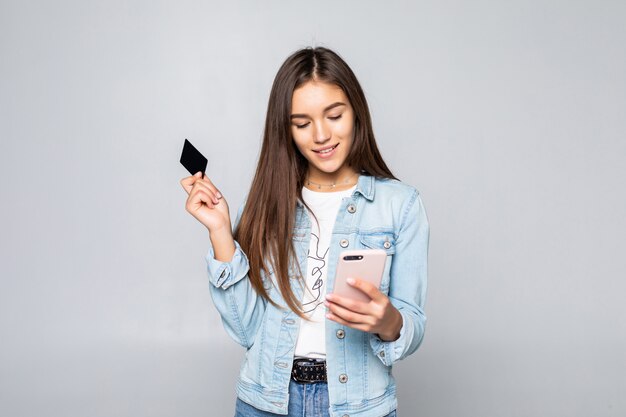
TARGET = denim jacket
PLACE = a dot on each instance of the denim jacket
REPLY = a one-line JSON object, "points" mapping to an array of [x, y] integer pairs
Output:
{"points": [[381, 214]]}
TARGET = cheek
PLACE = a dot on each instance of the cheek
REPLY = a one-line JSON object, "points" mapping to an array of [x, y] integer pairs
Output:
{"points": [[346, 134], [299, 136], [298, 141], [345, 130]]}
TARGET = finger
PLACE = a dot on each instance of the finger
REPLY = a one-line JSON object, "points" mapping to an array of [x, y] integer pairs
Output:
{"points": [[200, 185], [339, 320], [366, 287], [349, 303], [197, 199], [349, 315], [187, 183], [207, 181]]}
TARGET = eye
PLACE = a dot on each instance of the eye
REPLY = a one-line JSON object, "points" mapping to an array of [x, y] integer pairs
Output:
{"points": [[335, 117], [301, 126]]}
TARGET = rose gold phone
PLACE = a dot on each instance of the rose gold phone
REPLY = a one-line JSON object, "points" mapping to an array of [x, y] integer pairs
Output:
{"points": [[365, 264]]}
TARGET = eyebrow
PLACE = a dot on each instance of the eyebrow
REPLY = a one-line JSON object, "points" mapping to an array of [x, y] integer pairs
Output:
{"points": [[332, 106]]}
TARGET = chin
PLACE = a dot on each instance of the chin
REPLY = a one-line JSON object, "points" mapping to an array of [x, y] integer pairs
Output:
{"points": [[328, 170]]}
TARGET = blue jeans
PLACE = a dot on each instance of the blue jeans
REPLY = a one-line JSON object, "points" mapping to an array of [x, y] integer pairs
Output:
{"points": [[305, 400]]}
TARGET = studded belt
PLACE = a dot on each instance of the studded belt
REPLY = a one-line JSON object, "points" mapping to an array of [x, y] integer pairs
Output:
{"points": [[309, 371]]}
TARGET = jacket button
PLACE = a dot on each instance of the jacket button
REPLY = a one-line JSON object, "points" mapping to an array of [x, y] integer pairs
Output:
{"points": [[343, 243], [351, 208], [382, 354], [341, 334], [387, 244], [346, 415], [343, 378]]}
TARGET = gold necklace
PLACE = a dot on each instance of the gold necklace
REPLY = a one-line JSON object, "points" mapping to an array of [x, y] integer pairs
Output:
{"points": [[333, 185]]}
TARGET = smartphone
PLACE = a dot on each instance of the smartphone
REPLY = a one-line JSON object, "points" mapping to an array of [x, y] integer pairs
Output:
{"points": [[365, 264]]}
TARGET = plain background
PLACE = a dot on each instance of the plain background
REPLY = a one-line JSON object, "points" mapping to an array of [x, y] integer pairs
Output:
{"points": [[508, 116]]}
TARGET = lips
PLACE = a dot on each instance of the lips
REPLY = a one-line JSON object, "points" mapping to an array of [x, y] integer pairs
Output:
{"points": [[327, 148]]}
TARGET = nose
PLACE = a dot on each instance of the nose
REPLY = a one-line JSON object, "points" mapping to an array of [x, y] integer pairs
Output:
{"points": [[322, 132]]}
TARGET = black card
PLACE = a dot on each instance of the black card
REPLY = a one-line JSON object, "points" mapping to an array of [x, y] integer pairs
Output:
{"points": [[192, 159]]}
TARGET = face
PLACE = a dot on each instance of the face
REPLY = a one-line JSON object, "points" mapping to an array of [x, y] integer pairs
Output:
{"points": [[322, 127]]}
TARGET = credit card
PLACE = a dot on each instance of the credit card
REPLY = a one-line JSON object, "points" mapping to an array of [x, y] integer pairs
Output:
{"points": [[192, 159]]}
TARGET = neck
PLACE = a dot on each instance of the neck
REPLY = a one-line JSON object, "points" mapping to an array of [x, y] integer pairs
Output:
{"points": [[338, 183]]}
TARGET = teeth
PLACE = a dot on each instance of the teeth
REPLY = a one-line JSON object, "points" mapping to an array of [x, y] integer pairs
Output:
{"points": [[327, 150]]}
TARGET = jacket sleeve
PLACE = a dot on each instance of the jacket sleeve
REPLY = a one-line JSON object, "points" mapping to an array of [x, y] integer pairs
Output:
{"points": [[240, 307], [408, 281]]}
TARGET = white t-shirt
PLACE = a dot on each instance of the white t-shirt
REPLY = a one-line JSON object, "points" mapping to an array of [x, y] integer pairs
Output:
{"points": [[311, 338]]}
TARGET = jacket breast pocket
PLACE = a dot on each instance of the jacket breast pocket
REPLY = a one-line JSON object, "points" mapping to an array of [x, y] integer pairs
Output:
{"points": [[387, 242]]}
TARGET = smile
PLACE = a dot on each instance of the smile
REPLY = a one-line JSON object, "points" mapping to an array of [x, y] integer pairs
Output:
{"points": [[325, 151]]}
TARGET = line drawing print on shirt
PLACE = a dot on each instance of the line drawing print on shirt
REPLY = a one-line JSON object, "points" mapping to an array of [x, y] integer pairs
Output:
{"points": [[316, 271]]}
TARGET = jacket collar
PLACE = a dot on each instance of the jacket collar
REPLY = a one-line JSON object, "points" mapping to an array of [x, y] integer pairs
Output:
{"points": [[365, 186]]}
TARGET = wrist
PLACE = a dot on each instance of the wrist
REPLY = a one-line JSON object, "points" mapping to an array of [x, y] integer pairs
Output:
{"points": [[223, 244], [220, 231], [392, 333]]}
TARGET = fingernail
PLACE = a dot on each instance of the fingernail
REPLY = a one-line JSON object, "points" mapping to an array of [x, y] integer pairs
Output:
{"points": [[218, 194], [350, 281]]}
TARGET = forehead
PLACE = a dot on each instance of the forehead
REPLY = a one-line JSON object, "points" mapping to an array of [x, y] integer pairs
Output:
{"points": [[316, 95]]}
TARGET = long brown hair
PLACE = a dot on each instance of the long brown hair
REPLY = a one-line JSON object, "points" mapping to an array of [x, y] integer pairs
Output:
{"points": [[265, 229]]}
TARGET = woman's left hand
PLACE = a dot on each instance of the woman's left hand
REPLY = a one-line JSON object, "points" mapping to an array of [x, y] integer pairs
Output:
{"points": [[377, 316]]}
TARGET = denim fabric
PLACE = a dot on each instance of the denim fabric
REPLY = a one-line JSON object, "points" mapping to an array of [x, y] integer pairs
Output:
{"points": [[380, 214], [305, 400]]}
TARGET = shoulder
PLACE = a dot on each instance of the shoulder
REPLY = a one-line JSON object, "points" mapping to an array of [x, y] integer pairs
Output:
{"points": [[388, 189], [403, 200]]}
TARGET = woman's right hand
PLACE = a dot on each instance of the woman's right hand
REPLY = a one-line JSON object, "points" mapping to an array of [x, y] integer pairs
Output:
{"points": [[204, 204]]}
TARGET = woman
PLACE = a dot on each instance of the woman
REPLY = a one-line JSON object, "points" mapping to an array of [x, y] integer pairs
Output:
{"points": [[320, 187]]}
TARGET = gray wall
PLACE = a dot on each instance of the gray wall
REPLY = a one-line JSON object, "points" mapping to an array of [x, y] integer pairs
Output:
{"points": [[507, 116]]}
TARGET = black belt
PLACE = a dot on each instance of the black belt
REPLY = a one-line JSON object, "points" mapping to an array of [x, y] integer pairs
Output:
{"points": [[308, 371]]}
